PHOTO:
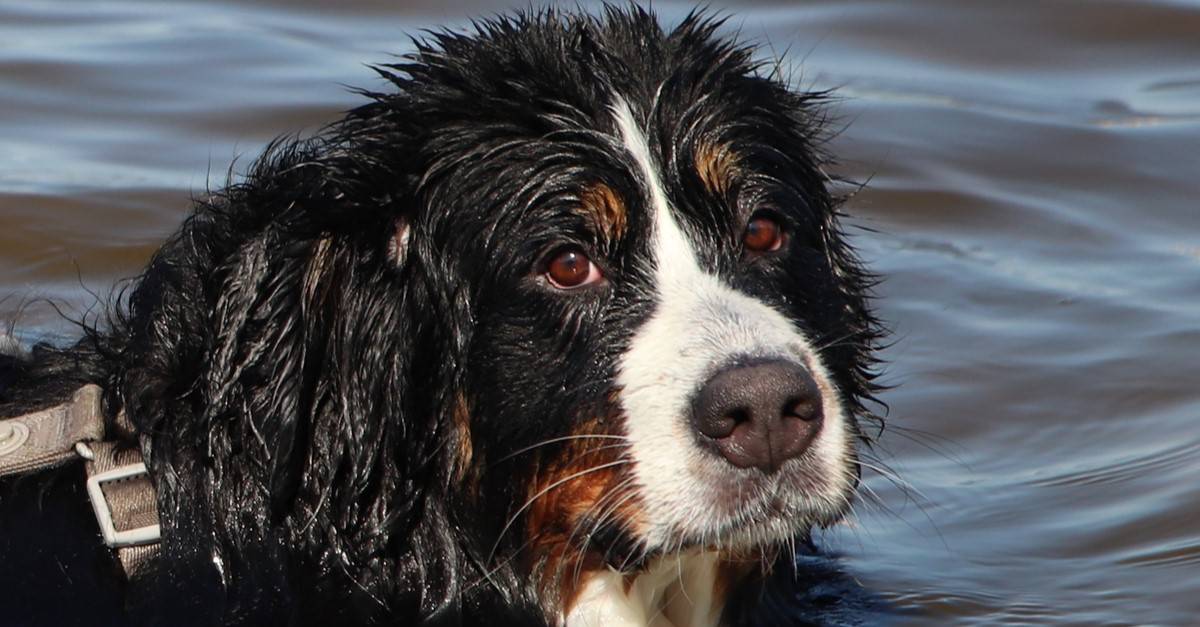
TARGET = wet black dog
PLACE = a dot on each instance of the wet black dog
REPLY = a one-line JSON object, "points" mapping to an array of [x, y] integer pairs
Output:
{"points": [[559, 329]]}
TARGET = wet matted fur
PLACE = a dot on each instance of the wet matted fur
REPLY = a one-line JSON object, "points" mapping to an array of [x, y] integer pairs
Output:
{"points": [[364, 398]]}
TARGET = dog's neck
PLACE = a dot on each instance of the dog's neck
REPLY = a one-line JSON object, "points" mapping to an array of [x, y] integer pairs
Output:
{"points": [[681, 590]]}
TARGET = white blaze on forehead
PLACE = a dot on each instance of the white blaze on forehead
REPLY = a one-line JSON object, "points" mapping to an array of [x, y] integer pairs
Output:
{"points": [[670, 241], [698, 325]]}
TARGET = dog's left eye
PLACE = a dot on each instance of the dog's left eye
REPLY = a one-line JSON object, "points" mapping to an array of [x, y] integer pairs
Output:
{"points": [[763, 234], [569, 268]]}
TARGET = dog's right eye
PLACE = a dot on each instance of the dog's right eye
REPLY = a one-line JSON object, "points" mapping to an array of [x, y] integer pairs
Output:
{"points": [[569, 268]]}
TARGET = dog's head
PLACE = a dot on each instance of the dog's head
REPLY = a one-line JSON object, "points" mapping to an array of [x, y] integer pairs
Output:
{"points": [[573, 296], [660, 336]]}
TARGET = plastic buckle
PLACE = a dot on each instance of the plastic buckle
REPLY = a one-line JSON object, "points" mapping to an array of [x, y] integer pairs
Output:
{"points": [[139, 536]]}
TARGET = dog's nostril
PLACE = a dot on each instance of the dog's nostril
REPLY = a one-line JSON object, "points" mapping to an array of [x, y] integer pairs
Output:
{"points": [[721, 427], [760, 415], [724, 425], [807, 409]]}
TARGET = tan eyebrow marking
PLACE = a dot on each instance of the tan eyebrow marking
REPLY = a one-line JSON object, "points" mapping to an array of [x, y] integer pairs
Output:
{"points": [[717, 166], [604, 206]]}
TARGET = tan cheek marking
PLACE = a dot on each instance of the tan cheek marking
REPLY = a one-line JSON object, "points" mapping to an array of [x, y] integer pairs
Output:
{"points": [[717, 166], [559, 520], [605, 207]]}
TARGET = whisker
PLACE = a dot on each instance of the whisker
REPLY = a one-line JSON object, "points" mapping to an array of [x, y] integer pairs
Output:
{"points": [[565, 438], [891, 475], [911, 493], [822, 345], [542, 493], [578, 570], [932, 442]]}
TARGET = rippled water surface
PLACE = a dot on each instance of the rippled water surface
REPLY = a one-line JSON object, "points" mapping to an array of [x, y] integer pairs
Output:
{"points": [[1032, 201]]}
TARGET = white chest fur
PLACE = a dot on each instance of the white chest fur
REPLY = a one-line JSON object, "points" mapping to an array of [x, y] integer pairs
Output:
{"points": [[675, 591]]}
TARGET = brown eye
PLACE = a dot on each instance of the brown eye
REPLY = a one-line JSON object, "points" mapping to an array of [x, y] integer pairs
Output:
{"points": [[569, 268], [763, 235]]}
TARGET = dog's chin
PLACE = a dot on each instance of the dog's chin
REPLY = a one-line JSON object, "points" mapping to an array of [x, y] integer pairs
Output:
{"points": [[753, 514]]}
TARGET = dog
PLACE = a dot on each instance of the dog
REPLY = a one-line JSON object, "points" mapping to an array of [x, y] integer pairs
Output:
{"points": [[561, 328]]}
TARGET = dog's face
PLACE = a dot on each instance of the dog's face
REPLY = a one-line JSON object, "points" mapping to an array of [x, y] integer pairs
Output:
{"points": [[568, 301], [662, 332]]}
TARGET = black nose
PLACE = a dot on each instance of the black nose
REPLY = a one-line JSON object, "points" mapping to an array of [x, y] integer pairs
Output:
{"points": [[759, 415]]}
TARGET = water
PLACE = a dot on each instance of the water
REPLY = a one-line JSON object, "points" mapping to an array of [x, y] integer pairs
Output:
{"points": [[1033, 175]]}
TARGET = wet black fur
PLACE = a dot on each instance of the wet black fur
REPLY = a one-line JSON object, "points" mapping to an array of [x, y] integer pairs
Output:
{"points": [[303, 442]]}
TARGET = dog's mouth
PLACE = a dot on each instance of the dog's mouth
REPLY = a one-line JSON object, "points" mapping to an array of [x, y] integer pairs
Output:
{"points": [[744, 541], [747, 514], [751, 511], [769, 511]]}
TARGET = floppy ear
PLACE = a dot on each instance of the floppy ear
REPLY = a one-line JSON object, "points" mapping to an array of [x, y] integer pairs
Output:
{"points": [[266, 348]]}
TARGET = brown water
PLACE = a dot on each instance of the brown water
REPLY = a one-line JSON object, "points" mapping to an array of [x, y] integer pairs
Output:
{"points": [[1033, 187]]}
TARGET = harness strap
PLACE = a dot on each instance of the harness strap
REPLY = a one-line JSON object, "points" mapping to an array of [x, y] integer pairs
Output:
{"points": [[118, 485], [47, 438]]}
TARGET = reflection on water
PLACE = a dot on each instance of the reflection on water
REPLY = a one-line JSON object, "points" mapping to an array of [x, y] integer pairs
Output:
{"points": [[1032, 202]]}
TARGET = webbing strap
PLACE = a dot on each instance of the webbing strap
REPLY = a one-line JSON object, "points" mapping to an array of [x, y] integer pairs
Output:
{"points": [[120, 489], [47, 438]]}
